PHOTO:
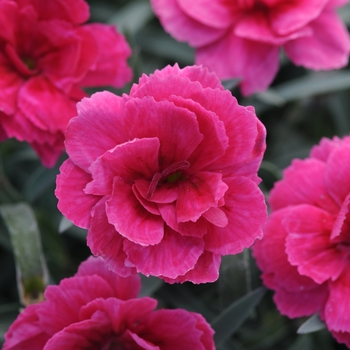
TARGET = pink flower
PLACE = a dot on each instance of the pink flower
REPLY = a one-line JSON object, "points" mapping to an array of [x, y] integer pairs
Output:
{"points": [[47, 55], [165, 178], [97, 309], [241, 39], [305, 252]]}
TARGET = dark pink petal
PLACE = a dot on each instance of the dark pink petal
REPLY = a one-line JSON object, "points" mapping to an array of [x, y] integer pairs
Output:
{"points": [[206, 270], [256, 67], [288, 17], [195, 74], [272, 259], [257, 26], [216, 216], [245, 210], [95, 115], [76, 12], [124, 288], [176, 128], [308, 244], [211, 13], [130, 218], [183, 27], [342, 337], [8, 19], [189, 228], [106, 242], [84, 335], [200, 192], [122, 315], [44, 105], [245, 132], [111, 66], [340, 229], [325, 148], [328, 48], [335, 315], [72, 200], [175, 255], [215, 141], [49, 153], [143, 343], [175, 329], [26, 332], [10, 83], [301, 303], [337, 174], [164, 193], [130, 161], [65, 300], [303, 183]]}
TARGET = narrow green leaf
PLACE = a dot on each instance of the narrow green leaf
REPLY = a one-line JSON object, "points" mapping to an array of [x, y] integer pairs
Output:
{"points": [[31, 269], [303, 342], [64, 224], [229, 321], [313, 324]]}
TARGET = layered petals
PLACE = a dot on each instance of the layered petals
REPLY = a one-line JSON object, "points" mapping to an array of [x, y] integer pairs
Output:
{"points": [[97, 308], [305, 254], [48, 55], [171, 175], [241, 39]]}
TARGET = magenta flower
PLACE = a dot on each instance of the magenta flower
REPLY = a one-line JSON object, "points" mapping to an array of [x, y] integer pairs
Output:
{"points": [[47, 55], [165, 178], [97, 309], [305, 252], [241, 39]]}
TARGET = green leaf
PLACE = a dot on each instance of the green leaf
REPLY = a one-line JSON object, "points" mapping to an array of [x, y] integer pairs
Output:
{"points": [[64, 224], [313, 324], [31, 269], [229, 321], [302, 343]]}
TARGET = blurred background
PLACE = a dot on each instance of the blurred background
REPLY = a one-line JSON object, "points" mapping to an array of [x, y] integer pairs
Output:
{"points": [[298, 110]]}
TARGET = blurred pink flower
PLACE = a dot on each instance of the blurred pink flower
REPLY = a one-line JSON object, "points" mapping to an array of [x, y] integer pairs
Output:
{"points": [[47, 55], [165, 178], [241, 39], [305, 252], [97, 309]]}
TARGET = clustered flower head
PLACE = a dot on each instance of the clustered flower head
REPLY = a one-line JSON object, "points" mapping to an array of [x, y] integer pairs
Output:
{"points": [[305, 252], [165, 178], [47, 55], [241, 38], [98, 309]]}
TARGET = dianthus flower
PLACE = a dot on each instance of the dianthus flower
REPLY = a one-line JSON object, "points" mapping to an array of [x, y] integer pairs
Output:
{"points": [[47, 55], [305, 253], [97, 309], [241, 38], [165, 178]]}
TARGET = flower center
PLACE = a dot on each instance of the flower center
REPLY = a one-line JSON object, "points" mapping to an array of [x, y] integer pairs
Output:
{"points": [[170, 174]]}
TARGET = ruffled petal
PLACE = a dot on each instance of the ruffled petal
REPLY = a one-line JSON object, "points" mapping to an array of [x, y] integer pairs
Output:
{"points": [[255, 63], [245, 210], [303, 183], [175, 255], [72, 200], [183, 27], [95, 116], [130, 218], [328, 48], [200, 192], [106, 242], [124, 287], [308, 243]]}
